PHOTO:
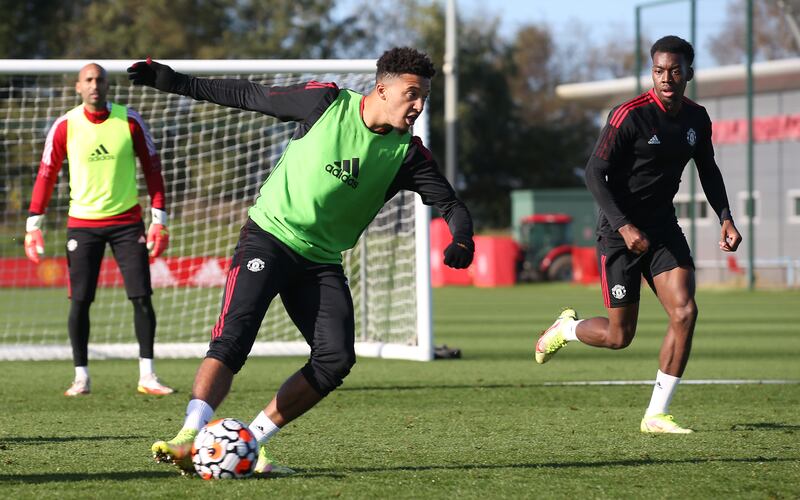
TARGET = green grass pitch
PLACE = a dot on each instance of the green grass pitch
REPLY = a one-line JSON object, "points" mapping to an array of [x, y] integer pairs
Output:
{"points": [[485, 426]]}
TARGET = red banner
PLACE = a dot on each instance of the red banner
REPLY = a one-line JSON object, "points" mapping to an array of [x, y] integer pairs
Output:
{"points": [[164, 272], [765, 129]]}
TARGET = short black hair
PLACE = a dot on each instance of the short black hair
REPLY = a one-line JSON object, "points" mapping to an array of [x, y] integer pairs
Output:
{"points": [[674, 45], [404, 60]]}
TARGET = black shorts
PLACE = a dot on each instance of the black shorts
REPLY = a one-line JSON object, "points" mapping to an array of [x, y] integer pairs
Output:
{"points": [[621, 271], [85, 249], [316, 296]]}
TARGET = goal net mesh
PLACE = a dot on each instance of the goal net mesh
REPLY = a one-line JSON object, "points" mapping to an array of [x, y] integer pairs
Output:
{"points": [[214, 160]]}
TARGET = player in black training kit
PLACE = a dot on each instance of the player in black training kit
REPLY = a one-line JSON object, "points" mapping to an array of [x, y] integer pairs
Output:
{"points": [[350, 154], [633, 174]]}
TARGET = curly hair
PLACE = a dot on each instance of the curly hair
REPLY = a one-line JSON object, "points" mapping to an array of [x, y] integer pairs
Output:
{"points": [[673, 45], [404, 60]]}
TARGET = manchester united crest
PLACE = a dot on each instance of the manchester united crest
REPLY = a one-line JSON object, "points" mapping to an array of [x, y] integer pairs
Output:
{"points": [[255, 265], [691, 137], [618, 292]]}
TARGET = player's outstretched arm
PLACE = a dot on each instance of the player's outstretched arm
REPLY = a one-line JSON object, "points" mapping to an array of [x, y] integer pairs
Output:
{"points": [[287, 103], [156, 75]]}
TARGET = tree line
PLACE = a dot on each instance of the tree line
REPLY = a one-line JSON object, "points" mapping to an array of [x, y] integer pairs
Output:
{"points": [[513, 132]]}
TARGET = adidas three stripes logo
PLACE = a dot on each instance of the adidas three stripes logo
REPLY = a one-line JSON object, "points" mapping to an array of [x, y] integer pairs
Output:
{"points": [[101, 153], [345, 170]]}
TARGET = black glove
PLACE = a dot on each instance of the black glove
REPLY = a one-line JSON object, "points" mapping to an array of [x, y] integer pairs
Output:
{"points": [[458, 254], [152, 74]]}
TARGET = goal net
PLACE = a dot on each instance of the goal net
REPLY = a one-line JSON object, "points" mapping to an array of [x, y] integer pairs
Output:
{"points": [[214, 161]]}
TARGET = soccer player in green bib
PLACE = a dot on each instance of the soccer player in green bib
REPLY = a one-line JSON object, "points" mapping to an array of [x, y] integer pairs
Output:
{"points": [[101, 141], [350, 154]]}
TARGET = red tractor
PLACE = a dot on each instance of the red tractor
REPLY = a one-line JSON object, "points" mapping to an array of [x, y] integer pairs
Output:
{"points": [[545, 248]]}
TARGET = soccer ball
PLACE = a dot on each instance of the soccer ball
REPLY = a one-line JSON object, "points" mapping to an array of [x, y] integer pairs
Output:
{"points": [[224, 449]]}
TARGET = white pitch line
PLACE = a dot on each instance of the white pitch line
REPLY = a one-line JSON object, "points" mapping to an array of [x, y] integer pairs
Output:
{"points": [[683, 382]]}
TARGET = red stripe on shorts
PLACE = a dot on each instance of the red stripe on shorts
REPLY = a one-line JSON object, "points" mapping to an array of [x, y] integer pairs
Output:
{"points": [[604, 282], [229, 286]]}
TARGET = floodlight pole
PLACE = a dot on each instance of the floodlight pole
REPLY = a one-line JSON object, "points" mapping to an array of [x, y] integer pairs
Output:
{"points": [[692, 96], [637, 56], [751, 204], [450, 91]]}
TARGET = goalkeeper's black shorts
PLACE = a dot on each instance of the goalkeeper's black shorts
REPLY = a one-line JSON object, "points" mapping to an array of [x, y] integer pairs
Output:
{"points": [[85, 249], [316, 296], [621, 271]]}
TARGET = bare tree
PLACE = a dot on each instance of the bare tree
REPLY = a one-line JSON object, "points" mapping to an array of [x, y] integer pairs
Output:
{"points": [[605, 58], [772, 33]]}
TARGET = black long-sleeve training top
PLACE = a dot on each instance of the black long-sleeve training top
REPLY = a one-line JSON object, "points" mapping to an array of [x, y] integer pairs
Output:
{"points": [[305, 103], [635, 169]]}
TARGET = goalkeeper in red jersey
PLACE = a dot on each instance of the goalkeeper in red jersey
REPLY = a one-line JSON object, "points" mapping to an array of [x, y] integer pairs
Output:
{"points": [[101, 141], [350, 154]]}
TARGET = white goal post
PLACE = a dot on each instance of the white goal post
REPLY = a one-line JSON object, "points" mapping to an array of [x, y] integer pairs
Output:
{"points": [[214, 160]]}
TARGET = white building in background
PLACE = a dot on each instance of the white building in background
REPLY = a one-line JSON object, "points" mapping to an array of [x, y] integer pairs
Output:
{"points": [[776, 171]]}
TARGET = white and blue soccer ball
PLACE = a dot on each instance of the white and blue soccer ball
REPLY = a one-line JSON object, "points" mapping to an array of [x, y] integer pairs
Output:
{"points": [[225, 449]]}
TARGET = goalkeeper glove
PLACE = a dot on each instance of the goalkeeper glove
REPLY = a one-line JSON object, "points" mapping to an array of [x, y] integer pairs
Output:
{"points": [[458, 254], [157, 234], [152, 74], [34, 242]]}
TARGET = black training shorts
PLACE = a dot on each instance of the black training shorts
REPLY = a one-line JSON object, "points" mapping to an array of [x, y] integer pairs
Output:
{"points": [[316, 297], [85, 248], [621, 271]]}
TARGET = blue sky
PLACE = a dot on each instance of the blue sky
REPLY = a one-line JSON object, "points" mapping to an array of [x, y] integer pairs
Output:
{"points": [[603, 18], [606, 18], [597, 19]]}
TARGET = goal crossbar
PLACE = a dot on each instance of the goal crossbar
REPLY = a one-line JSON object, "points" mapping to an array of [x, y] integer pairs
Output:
{"points": [[204, 67]]}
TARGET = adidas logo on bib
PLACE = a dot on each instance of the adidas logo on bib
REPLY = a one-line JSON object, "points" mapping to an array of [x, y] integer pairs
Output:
{"points": [[100, 154], [654, 140], [345, 170]]}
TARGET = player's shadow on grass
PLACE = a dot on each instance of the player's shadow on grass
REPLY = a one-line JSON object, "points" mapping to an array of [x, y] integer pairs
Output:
{"points": [[552, 384], [539, 385], [70, 477], [339, 473], [62, 439], [370, 388], [765, 426]]}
